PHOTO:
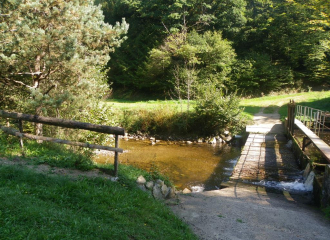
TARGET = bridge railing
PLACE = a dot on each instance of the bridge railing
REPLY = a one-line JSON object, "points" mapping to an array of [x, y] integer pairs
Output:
{"points": [[315, 119]]}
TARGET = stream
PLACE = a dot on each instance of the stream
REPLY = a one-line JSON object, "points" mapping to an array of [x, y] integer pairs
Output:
{"points": [[197, 166]]}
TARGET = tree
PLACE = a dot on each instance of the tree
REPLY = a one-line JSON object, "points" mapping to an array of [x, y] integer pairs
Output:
{"points": [[52, 52]]}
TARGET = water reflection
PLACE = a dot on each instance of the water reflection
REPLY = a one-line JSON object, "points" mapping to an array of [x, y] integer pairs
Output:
{"points": [[186, 165]]}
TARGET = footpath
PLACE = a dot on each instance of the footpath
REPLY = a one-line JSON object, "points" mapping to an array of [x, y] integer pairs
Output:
{"points": [[245, 211]]}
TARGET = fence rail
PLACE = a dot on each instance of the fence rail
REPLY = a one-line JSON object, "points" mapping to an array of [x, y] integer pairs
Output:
{"points": [[66, 124], [315, 119]]}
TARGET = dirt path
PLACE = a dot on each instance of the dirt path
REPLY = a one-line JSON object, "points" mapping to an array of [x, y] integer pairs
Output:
{"points": [[242, 211], [250, 212]]}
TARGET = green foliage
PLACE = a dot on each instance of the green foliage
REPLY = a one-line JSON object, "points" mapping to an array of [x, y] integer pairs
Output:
{"points": [[41, 207], [51, 58], [257, 74], [280, 44], [187, 60], [216, 112]]}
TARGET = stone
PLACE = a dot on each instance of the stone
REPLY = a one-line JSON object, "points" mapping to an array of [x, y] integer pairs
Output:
{"points": [[164, 189], [157, 193], [149, 185], [142, 187], [189, 142], [186, 190], [213, 141], [159, 182], [171, 193], [141, 180]]}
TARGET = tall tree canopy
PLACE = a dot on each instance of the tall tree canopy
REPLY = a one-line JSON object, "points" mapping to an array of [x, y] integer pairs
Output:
{"points": [[51, 51], [279, 43]]}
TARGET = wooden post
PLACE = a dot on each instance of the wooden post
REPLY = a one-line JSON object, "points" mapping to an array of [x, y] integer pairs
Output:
{"points": [[291, 116], [20, 127], [116, 156]]}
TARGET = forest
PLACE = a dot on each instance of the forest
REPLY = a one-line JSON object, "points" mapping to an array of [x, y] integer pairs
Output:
{"points": [[175, 48], [65, 58]]}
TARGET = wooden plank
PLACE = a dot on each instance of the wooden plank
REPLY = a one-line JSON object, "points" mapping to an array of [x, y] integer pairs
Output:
{"points": [[16, 133], [319, 143], [63, 123]]}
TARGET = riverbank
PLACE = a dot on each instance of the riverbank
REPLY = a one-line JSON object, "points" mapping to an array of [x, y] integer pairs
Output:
{"points": [[43, 202]]}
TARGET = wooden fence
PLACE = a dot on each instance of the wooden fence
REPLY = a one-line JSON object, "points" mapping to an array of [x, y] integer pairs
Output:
{"points": [[65, 124]]}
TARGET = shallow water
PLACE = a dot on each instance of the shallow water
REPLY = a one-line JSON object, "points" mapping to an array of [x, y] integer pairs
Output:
{"points": [[203, 165]]}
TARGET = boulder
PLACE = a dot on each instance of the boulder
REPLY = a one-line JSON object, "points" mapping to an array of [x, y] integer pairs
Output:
{"points": [[141, 180], [164, 189], [157, 193], [171, 193], [149, 185], [186, 190], [159, 182], [142, 187]]}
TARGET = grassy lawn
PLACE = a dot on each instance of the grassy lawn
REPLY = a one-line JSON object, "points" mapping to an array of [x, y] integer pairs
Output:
{"points": [[147, 105], [40, 206], [319, 100]]}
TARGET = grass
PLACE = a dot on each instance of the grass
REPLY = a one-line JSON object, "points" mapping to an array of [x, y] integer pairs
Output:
{"points": [[121, 104], [52, 154], [319, 100], [39, 206], [36, 206]]}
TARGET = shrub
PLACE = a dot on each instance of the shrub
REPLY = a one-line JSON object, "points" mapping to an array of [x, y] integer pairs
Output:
{"points": [[215, 112]]}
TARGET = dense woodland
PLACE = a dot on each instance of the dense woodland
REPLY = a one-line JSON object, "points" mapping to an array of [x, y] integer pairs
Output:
{"points": [[61, 58], [253, 46]]}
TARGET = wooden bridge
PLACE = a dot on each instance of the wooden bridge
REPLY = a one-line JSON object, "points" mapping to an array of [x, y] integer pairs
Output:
{"points": [[265, 155]]}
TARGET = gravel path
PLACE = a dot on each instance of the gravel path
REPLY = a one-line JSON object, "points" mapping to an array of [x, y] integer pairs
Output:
{"points": [[251, 212]]}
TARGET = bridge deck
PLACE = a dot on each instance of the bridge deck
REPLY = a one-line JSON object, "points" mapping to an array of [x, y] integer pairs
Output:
{"points": [[265, 155]]}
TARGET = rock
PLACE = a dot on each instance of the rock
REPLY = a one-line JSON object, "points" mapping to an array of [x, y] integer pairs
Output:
{"points": [[200, 140], [142, 187], [189, 142], [157, 193], [141, 180], [171, 193], [164, 190], [186, 190], [226, 133], [159, 182], [149, 185], [114, 179], [213, 141]]}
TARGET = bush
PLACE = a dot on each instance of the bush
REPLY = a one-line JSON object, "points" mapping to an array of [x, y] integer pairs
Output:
{"points": [[216, 112]]}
